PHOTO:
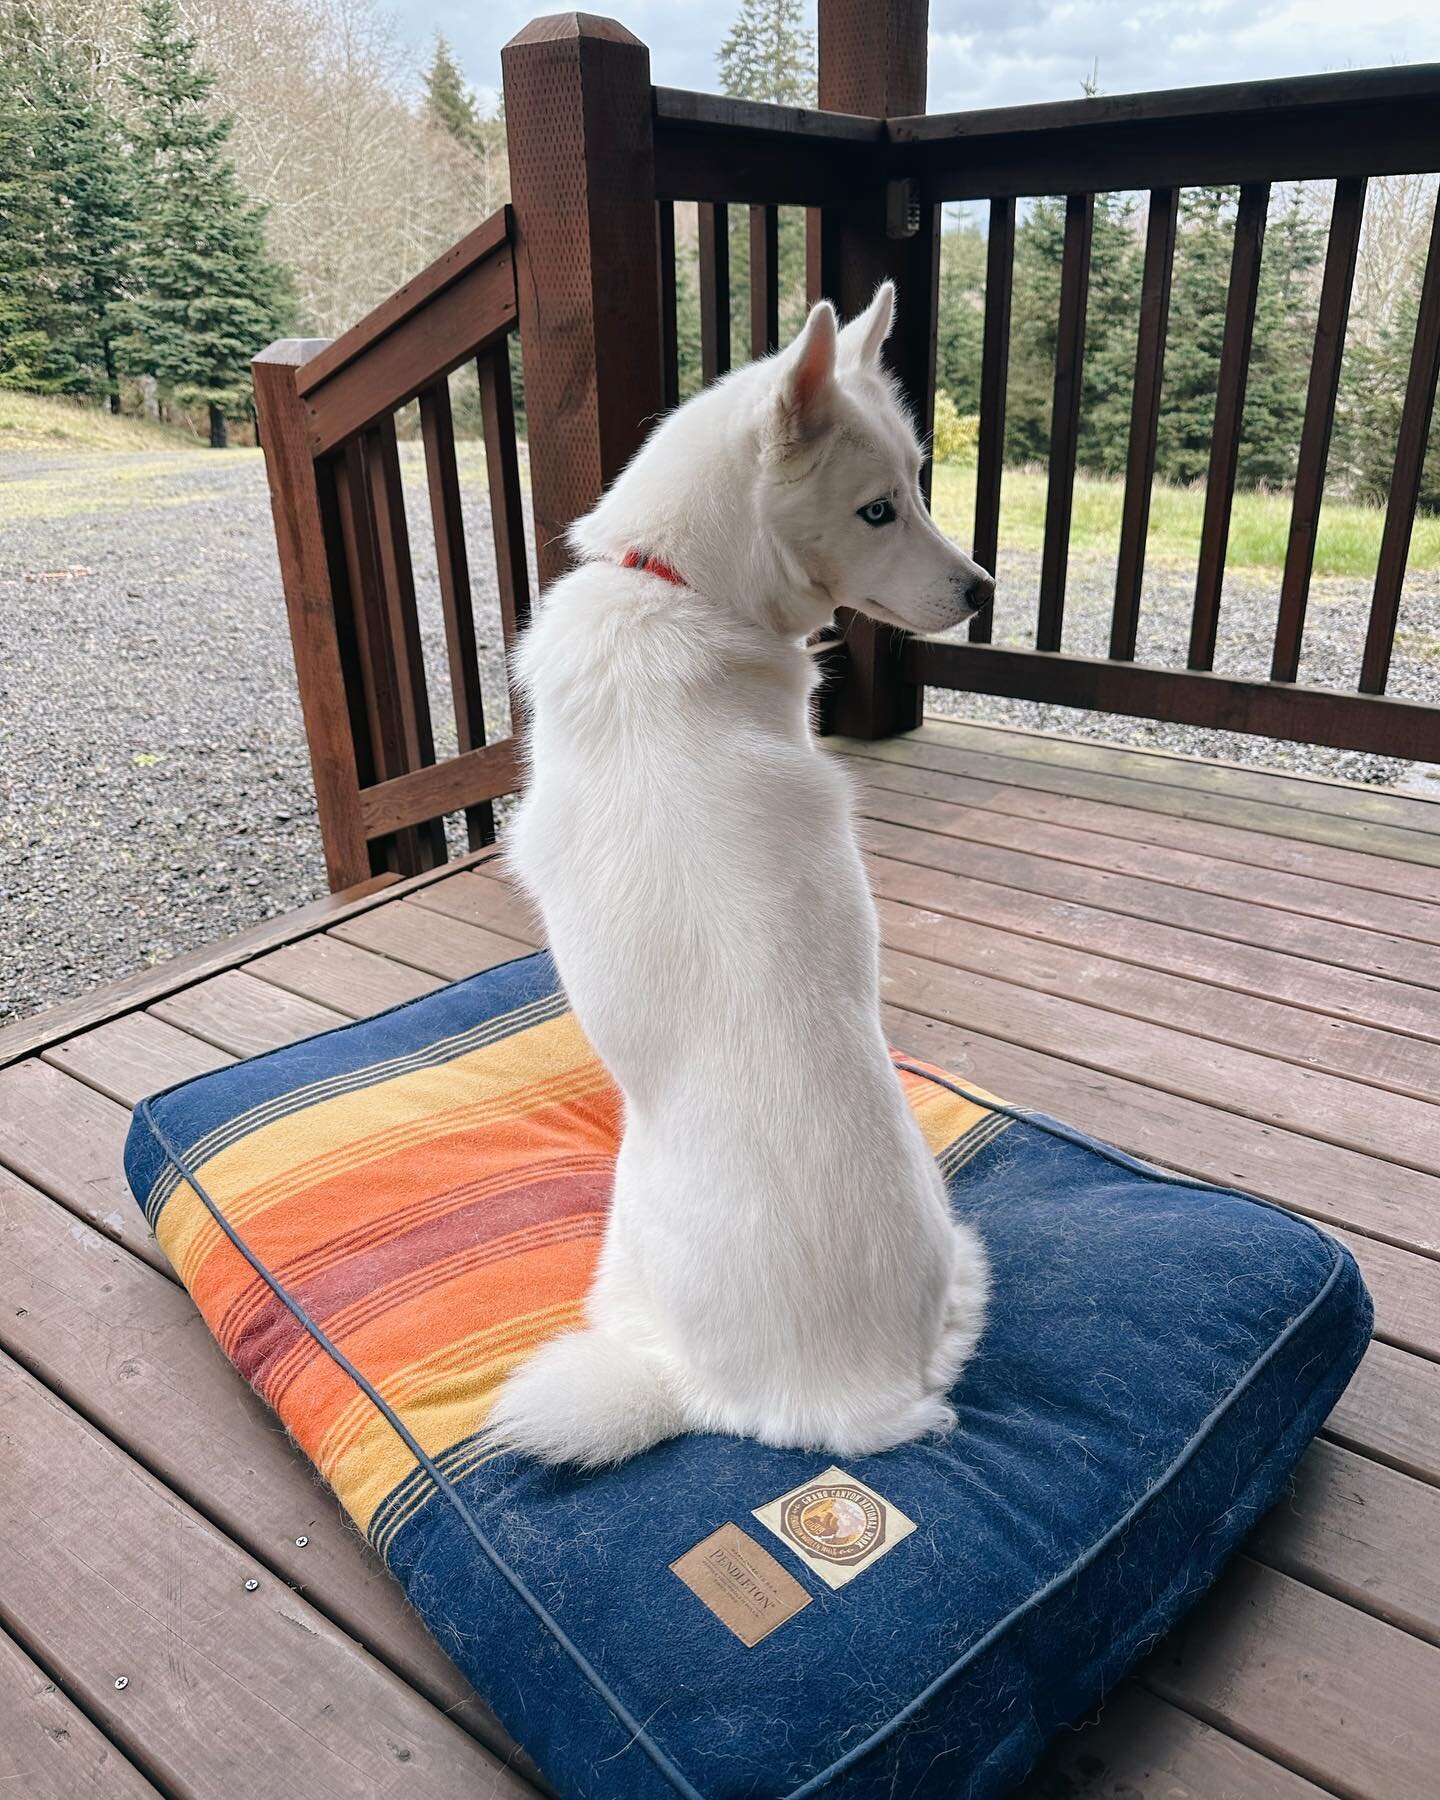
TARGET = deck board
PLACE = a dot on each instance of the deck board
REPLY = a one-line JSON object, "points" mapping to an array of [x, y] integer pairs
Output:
{"points": [[49, 1750], [126, 1348], [126, 1580], [235, 1012], [1230, 973]]}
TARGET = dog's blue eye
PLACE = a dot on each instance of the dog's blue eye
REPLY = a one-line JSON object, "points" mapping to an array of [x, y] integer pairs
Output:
{"points": [[878, 512]]}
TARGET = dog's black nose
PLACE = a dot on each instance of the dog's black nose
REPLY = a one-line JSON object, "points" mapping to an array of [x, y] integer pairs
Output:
{"points": [[981, 592]]}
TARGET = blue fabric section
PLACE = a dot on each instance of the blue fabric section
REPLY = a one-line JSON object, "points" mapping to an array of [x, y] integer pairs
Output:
{"points": [[1159, 1354]]}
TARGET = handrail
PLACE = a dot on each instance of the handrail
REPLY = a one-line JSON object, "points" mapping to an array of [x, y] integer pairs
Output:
{"points": [[410, 299], [460, 304], [1415, 81], [327, 424], [723, 112]]}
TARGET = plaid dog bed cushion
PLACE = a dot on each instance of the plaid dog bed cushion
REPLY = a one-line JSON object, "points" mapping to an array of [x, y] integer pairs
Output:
{"points": [[379, 1223]]}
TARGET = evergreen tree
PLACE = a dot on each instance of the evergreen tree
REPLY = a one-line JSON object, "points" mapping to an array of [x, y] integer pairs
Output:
{"points": [[1034, 329], [27, 350], [1374, 378], [1201, 281], [209, 296], [449, 102], [94, 218], [1112, 324], [769, 54], [1284, 337], [960, 336]]}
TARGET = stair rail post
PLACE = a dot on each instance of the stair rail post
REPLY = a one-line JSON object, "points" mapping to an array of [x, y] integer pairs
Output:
{"points": [[873, 62], [579, 117]]}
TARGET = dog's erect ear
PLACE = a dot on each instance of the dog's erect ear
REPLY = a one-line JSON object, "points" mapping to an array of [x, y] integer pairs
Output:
{"points": [[862, 338], [804, 397]]}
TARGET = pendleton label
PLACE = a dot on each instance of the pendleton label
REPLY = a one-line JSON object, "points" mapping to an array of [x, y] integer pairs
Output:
{"points": [[836, 1525], [741, 1583]]}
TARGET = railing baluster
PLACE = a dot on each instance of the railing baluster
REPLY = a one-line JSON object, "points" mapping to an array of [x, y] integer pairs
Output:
{"points": [[437, 429], [764, 280], [387, 628], [1229, 416], [1345, 220], [1405, 482], [1144, 420], [994, 371], [507, 509], [669, 330], [317, 600], [1065, 416], [714, 290]]}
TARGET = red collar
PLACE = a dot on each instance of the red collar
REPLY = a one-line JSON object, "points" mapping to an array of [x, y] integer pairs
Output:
{"points": [[652, 565]]}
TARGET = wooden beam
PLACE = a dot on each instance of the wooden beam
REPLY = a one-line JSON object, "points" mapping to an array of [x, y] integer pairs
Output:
{"points": [[714, 229], [1346, 218], [1229, 417], [582, 165], [460, 781], [1183, 697], [309, 569], [463, 318], [1144, 419], [863, 71], [1065, 417], [994, 372]]}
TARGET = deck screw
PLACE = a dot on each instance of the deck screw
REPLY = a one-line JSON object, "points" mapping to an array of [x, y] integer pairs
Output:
{"points": [[301, 1542], [122, 1681], [251, 1585]]}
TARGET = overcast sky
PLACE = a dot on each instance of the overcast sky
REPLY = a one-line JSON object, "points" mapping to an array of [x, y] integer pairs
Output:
{"points": [[1004, 52]]}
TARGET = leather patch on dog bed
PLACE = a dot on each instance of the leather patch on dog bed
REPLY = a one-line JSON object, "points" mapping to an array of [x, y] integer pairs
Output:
{"points": [[741, 1583]]}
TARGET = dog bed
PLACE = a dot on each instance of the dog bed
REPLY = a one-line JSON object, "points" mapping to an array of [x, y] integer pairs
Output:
{"points": [[380, 1222]]}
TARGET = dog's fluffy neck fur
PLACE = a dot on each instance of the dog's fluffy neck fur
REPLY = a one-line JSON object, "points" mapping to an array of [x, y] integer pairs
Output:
{"points": [[694, 859]]}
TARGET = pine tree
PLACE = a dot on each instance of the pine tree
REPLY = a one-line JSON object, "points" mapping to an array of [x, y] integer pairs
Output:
{"points": [[1034, 330], [210, 296], [769, 54], [1112, 323], [26, 206], [93, 196], [449, 102], [1201, 281], [960, 337], [1281, 346]]}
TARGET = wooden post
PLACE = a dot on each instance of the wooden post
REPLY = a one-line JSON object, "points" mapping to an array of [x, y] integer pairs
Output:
{"points": [[306, 575], [872, 62], [578, 112]]}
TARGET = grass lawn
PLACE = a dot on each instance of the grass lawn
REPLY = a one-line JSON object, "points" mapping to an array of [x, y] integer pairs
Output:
{"points": [[49, 422], [1349, 542]]}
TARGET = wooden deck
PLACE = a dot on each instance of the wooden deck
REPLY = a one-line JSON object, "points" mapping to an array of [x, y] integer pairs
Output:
{"points": [[1230, 972]]}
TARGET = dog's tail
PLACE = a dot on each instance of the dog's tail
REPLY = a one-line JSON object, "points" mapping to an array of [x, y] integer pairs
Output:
{"points": [[586, 1398]]}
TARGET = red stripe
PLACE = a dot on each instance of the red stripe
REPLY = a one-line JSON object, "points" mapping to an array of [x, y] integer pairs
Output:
{"points": [[270, 1332]]}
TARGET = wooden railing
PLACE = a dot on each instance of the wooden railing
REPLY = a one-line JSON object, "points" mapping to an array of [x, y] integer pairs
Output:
{"points": [[585, 265], [1346, 128], [327, 423]]}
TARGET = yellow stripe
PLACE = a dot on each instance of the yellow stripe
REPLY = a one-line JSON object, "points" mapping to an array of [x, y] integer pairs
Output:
{"points": [[459, 1361], [366, 1461], [346, 1133]]}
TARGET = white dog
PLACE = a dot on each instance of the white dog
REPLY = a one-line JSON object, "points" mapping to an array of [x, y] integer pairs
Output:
{"points": [[780, 1259]]}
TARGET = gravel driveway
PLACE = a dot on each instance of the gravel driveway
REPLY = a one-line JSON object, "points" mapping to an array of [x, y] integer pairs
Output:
{"points": [[154, 782]]}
